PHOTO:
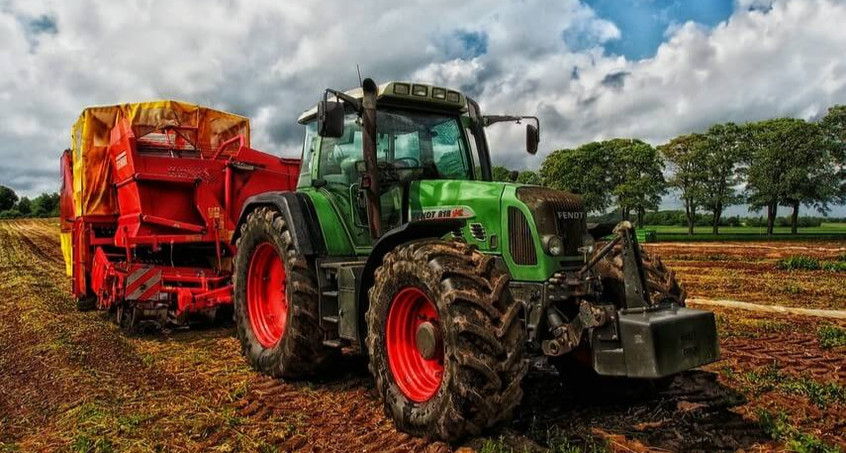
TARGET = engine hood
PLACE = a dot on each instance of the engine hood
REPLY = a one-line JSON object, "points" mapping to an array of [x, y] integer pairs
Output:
{"points": [[556, 213], [478, 202]]}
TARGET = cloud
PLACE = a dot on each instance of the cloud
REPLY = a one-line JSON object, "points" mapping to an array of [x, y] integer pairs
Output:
{"points": [[270, 61], [615, 79]]}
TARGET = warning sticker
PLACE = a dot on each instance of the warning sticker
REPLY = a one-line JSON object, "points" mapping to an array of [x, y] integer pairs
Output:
{"points": [[120, 160]]}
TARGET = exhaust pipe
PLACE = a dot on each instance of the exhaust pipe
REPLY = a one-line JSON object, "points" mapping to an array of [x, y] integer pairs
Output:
{"points": [[370, 181]]}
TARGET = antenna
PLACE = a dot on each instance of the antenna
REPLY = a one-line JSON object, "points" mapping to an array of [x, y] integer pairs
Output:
{"points": [[359, 74]]}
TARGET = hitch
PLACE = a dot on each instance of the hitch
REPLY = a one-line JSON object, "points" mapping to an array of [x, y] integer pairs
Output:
{"points": [[634, 277], [567, 336]]}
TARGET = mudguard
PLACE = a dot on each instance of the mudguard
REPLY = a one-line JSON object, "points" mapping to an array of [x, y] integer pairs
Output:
{"points": [[421, 229], [298, 212]]}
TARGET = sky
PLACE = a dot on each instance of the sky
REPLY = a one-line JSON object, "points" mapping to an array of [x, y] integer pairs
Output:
{"points": [[592, 69]]}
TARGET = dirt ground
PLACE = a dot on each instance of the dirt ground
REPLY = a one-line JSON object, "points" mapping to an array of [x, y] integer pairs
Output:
{"points": [[747, 271], [72, 381]]}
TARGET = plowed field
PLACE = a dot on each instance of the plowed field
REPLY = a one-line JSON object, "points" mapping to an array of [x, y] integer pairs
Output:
{"points": [[73, 381]]}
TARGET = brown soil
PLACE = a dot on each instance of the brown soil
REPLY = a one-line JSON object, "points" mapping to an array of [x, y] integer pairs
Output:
{"points": [[73, 381], [748, 272]]}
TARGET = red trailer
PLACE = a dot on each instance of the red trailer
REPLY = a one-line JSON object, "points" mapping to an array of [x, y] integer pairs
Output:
{"points": [[151, 195]]}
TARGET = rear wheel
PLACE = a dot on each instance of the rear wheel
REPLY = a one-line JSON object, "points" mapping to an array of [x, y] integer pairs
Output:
{"points": [[276, 302], [445, 340]]}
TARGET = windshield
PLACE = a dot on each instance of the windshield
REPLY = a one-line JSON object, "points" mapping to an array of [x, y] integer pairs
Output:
{"points": [[432, 144]]}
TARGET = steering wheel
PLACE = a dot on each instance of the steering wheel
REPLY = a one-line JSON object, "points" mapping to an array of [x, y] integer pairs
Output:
{"points": [[414, 162]]}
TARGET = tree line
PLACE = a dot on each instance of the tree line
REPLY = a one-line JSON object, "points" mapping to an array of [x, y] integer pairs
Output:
{"points": [[12, 206], [783, 162]]}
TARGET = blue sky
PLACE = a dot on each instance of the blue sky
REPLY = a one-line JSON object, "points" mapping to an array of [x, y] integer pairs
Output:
{"points": [[643, 23]]}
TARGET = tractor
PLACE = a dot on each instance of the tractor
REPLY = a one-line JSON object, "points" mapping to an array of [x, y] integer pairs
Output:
{"points": [[397, 244]]}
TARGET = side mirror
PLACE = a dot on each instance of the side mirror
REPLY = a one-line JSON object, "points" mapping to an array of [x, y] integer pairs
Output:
{"points": [[330, 119], [532, 139]]}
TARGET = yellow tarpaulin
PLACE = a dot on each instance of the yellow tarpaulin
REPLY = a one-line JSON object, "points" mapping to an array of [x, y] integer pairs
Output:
{"points": [[67, 251], [93, 191]]}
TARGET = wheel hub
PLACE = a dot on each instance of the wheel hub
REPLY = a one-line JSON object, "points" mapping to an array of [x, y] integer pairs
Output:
{"points": [[428, 340], [414, 344], [267, 304]]}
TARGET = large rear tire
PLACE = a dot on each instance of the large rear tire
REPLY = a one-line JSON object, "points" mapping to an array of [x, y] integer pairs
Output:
{"points": [[276, 300], [445, 340]]}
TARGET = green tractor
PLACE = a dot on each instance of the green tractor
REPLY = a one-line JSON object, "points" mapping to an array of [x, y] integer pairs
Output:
{"points": [[398, 245]]}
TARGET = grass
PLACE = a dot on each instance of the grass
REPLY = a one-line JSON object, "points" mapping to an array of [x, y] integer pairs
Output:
{"points": [[834, 266], [831, 336], [769, 378], [779, 428], [798, 262], [808, 263], [498, 445]]}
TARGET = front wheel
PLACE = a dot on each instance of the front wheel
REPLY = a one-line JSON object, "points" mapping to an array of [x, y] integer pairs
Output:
{"points": [[445, 340]]}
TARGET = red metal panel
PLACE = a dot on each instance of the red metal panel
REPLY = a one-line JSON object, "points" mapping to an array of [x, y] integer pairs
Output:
{"points": [[175, 204]]}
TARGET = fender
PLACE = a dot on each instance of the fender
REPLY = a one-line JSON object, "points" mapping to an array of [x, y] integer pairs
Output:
{"points": [[298, 212], [420, 229]]}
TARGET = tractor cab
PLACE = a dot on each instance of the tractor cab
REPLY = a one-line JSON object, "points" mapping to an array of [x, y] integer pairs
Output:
{"points": [[423, 132]]}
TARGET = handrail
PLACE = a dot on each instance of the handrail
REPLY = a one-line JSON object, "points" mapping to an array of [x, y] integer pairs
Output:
{"points": [[239, 138]]}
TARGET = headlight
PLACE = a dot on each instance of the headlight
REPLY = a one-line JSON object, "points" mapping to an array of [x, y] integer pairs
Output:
{"points": [[554, 245]]}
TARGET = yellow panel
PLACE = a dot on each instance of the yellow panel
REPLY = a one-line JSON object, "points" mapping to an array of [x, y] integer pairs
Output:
{"points": [[67, 251]]}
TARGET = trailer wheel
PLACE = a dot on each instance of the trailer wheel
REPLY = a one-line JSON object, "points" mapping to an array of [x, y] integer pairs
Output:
{"points": [[445, 340], [86, 303], [276, 300]]}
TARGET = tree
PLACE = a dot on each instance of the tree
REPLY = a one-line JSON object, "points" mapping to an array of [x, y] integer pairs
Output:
{"points": [[24, 206], [501, 174], [46, 205], [8, 198], [684, 154], [529, 177], [722, 154], [584, 171], [811, 178], [637, 176], [834, 128], [792, 164]]}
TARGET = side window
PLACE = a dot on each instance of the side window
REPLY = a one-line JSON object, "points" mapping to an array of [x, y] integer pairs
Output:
{"points": [[339, 155], [448, 150], [309, 147]]}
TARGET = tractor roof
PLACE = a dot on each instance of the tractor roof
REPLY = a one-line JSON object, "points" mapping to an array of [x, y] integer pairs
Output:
{"points": [[406, 93]]}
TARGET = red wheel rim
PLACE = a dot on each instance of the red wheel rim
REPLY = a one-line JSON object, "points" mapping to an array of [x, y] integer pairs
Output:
{"points": [[417, 377], [267, 305]]}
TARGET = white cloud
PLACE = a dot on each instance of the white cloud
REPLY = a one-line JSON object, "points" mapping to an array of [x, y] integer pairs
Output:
{"points": [[270, 60]]}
